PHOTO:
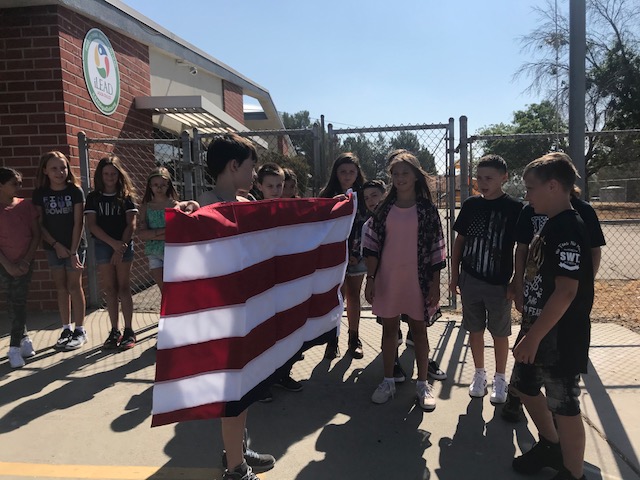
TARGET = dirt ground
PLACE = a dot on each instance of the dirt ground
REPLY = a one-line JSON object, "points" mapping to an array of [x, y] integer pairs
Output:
{"points": [[616, 210], [616, 301]]}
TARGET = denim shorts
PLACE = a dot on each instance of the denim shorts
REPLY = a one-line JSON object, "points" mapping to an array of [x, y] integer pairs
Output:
{"points": [[56, 263], [155, 261], [562, 392], [359, 268], [104, 252]]}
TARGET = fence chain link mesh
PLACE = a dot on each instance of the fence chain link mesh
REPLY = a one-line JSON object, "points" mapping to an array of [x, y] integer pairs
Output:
{"points": [[432, 146], [612, 188]]}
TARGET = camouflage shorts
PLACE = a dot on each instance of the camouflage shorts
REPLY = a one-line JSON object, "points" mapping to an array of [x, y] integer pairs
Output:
{"points": [[562, 392]]}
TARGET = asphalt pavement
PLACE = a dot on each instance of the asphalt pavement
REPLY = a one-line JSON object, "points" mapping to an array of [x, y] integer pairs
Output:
{"points": [[86, 414]]}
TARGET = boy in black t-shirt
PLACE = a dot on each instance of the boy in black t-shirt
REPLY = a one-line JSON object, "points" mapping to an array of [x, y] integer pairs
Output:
{"points": [[484, 247], [530, 224], [553, 344]]}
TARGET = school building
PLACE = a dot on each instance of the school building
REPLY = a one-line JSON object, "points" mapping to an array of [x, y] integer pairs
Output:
{"points": [[100, 67]]}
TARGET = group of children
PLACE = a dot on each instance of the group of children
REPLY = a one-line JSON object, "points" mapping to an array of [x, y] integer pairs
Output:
{"points": [[396, 244], [57, 217]]}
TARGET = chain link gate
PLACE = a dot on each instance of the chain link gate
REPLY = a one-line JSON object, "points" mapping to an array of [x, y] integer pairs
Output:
{"points": [[434, 146]]}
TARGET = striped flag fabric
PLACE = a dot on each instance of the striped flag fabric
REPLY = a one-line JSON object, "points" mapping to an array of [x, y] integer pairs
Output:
{"points": [[247, 286]]}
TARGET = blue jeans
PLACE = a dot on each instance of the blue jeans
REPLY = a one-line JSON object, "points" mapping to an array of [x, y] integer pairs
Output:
{"points": [[17, 289]]}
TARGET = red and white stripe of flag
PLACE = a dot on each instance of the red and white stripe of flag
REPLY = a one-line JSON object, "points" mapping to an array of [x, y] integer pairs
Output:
{"points": [[246, 286]]}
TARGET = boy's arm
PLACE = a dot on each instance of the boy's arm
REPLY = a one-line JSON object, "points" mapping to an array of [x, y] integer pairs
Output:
{"points": [[515, 289], [565, 291], [596, 256], [456, 258]]}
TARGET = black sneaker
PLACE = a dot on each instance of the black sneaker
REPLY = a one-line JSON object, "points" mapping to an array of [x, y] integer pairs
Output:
{"points": [[242, 472], [78, 339], [332, 351], [258, 462], [565, 474], [543, 454], [512, 410], [355, 346], [435, 372], [65, 336], [128, 339], [399, 375], [113, 340], [289, 384]]}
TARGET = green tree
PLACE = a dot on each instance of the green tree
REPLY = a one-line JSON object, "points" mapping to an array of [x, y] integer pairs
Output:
{"points": [[518, 152], [371, 153], [612, 71]]}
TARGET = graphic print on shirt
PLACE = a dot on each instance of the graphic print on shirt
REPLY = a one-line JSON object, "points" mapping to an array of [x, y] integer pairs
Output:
{"points": [[533, 281], [485, 237], [57, 204], [569, 255], [538, 222]]}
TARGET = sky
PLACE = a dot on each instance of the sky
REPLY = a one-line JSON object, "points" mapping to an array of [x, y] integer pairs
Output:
{"points": [[368, 63]]}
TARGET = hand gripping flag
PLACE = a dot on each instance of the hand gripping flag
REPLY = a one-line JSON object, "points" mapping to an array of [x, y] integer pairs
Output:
{"points": [[246, 287]]}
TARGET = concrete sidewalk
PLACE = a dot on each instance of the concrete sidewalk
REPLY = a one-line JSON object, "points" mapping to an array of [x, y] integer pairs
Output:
{"points": [[86, 414]]}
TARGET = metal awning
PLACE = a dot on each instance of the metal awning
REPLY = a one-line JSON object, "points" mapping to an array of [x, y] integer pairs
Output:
{"points": [[193, 111]]}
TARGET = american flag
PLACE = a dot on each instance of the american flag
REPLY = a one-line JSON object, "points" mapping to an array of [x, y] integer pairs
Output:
{"points": [[247, 285]]}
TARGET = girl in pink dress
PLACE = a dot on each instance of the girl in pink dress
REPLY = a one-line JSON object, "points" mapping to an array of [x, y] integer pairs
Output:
{"points": [[404, 248]]}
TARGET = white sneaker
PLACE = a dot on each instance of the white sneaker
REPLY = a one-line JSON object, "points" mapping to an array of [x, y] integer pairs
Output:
{"points": [[499, 390], [384, 392], [15, 358], [478, 387], [26, 348], [426, 400]]}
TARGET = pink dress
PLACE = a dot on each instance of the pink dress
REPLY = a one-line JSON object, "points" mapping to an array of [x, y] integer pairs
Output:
{"points": [[397, 289]]}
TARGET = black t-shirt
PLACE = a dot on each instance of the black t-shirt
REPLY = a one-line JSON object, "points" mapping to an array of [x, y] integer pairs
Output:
{"points": [[530, 223], [58, 217], [561, 249], [111, 212], [489, 230]]}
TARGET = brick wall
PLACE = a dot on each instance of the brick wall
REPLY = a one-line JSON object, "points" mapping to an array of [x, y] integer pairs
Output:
{"points": [[44, 101], [232, 100]]}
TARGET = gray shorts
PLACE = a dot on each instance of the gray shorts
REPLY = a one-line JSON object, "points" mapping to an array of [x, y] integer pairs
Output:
{"points": [[484, 306], [562, 392]]}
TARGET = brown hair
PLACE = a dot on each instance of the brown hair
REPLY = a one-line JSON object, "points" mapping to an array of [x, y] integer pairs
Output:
{"points": [[164, 173], [554, 166], [124, 187]]}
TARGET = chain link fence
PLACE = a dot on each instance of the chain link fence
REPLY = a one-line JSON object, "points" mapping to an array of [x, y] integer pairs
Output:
{"points": [[612, 188], [185, 158], [433, 145]]}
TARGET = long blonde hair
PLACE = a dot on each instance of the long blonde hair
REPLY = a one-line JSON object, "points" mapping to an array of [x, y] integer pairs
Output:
{"points": [[42, 180]]}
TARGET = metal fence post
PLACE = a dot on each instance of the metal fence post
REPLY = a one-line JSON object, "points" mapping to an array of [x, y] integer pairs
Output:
{"points": [[92, 270], [464, 160], [331, 139], [187, 166], [317, 162], [199, 186], [452, 189]]}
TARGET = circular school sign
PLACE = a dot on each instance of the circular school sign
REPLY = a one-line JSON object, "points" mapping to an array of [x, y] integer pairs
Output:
{"points": [[101, 71]]}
